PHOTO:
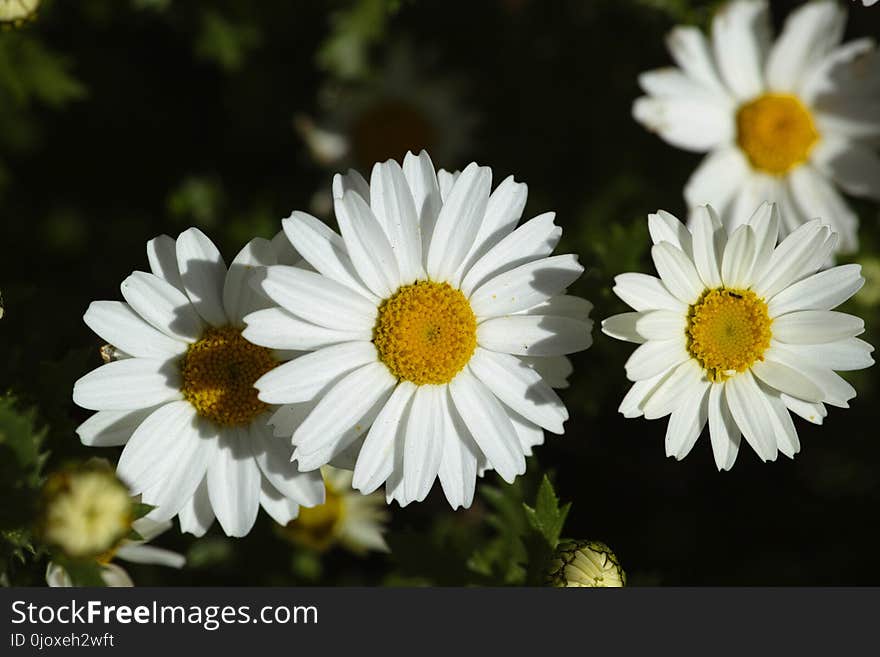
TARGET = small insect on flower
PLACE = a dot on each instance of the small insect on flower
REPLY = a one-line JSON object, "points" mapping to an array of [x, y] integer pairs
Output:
{"points": [[88, 515], [738, 331], [179, 393], [783, 121], [346, 518], [585, 564], [437, 330]]}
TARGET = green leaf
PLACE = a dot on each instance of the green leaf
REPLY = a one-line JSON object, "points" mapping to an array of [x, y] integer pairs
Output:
{"points": [[139, 510], [548, 518], [82, 572]]}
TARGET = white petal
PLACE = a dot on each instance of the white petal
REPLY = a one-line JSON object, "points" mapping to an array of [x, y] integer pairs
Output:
{"points": [[717, 177], [814, 413], [148, 554], [525, 286], [740, 40], [677, 272], [670, 82], [458, 223], [794, 258], [203, 273], [324, 250], [655, 357], [644, 292], [343, 414], [632, 404], [692, 123], [534, 239], [162, 305], [555, 370], [665, 227], [281, 509], [162, 256], [183, 471], [419, 174], [367, 245], [686, 422], [690, 50], [623, 327], [787, 380], [162, 434], [841, 355], [277, 328], [119, 325], [807, 361], [458, 466], [534, 335], [318, 299], [563, 305], [302, 378], [723, 430], [765, 222], [816, 197], [234, 483], [810, 32], [128, 384], [783, 427], [813, 326], [503, 211], [852, 165], [376, 459], [352, 180], [111, 428], [272, 455], [423, 446], [847, 72], [679, 384], [519, 387], [661, 325], [238, 294], [393, 205], [747, 406], [709, 239], [739, 256], [197, 516], [823, 291], [488, 424]]}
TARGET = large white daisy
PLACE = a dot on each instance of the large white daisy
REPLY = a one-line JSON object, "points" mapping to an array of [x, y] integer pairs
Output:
{"points": [[436, 327], [782, 121], [181, 397], [738, 331]]}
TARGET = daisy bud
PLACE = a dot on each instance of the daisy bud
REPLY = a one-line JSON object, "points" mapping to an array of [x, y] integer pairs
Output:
{"points": [[585, 564], [86, 512]]}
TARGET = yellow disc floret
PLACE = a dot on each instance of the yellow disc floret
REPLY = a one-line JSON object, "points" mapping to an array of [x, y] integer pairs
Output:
{"points": [[219, 372], [318, 527], [776, 132], [728, 331], [426, 332]]}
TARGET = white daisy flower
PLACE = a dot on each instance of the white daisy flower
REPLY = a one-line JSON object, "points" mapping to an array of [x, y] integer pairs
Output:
{"points": [[181, 400], [347, 518], [782, 121], [434, 326], [738, 331], [128, 550]]}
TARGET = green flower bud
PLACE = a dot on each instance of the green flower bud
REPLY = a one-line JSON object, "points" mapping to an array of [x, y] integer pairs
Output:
{"points": [[587, 564]]}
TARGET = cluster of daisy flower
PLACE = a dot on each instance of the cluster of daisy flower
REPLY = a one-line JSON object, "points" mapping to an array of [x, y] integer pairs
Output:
{"points": [[426, 339]]}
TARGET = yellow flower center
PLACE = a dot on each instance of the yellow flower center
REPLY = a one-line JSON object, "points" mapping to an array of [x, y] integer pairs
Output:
{"points": [[426, 332], [219, 372], [727, 331], [776, 132], [317, 527]]}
